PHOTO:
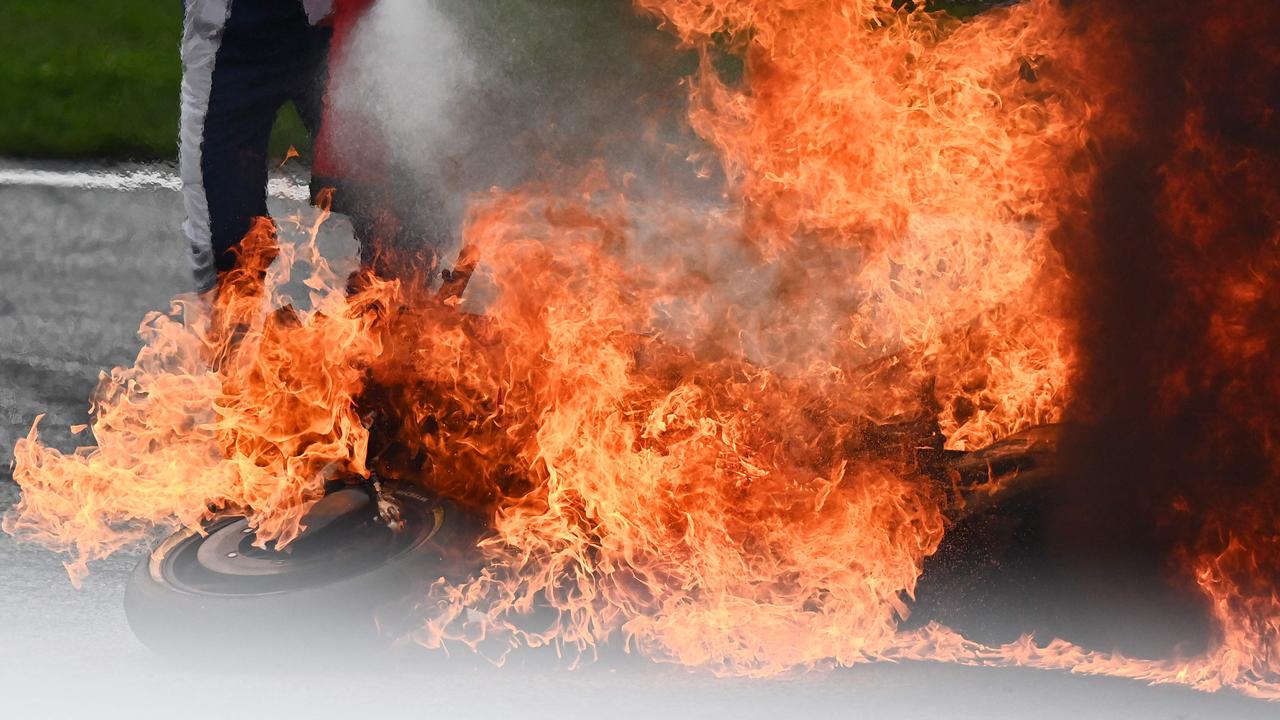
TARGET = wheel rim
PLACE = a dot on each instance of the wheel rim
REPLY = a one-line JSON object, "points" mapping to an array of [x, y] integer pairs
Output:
{"points": [[344, 538]]}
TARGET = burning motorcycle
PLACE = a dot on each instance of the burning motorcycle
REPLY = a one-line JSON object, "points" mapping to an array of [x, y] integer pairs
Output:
{"points": [[370, 545]]}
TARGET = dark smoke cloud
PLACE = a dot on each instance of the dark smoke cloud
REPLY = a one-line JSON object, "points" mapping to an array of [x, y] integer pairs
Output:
{"points": [[1175, 253]]}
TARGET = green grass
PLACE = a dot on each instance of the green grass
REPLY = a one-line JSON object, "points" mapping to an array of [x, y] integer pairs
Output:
{"points": [[96, 79]]}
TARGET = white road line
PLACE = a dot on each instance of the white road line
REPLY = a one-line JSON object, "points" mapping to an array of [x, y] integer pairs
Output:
{"points": [[130, 180]]}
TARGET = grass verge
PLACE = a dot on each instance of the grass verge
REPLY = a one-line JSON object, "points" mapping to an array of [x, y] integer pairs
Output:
{"points": [[96, 79]]}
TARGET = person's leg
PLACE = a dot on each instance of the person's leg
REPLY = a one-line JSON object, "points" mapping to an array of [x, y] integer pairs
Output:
{"points": [[312, 79], [234, 165], [202, 36], [236, 76]]}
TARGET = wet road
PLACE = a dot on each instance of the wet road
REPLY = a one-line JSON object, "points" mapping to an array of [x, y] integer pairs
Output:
{"points": [[79, 270]]}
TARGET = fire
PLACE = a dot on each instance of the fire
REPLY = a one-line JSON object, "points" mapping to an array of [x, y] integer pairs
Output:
{"points": [[664, 459], [931, 147], [175, 438]]}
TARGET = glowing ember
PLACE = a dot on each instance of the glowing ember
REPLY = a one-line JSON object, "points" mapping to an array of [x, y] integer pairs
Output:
{"points": [[666, 460]]}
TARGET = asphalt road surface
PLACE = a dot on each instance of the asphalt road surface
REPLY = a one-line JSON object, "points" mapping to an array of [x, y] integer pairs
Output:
{"points": [[78, 269]]}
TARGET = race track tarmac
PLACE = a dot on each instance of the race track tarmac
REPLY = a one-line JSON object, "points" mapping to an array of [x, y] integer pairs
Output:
{"points": [[79, 269]]}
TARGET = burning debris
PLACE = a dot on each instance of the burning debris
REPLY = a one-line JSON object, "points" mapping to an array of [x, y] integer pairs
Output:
{"points": [[752, 484]]}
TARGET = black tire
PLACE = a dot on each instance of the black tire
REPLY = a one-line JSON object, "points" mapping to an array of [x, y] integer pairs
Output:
{"points": [[354, 589]]}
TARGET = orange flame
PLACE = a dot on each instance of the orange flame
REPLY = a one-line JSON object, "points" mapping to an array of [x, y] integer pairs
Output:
{"points": [[664, 458], [177, 439]]}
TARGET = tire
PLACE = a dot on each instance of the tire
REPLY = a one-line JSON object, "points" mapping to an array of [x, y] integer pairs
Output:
{"points": [[347, 583]]}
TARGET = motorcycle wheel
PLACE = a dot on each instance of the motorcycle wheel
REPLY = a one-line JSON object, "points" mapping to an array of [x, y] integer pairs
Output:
{"points": [[348, 581]]}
